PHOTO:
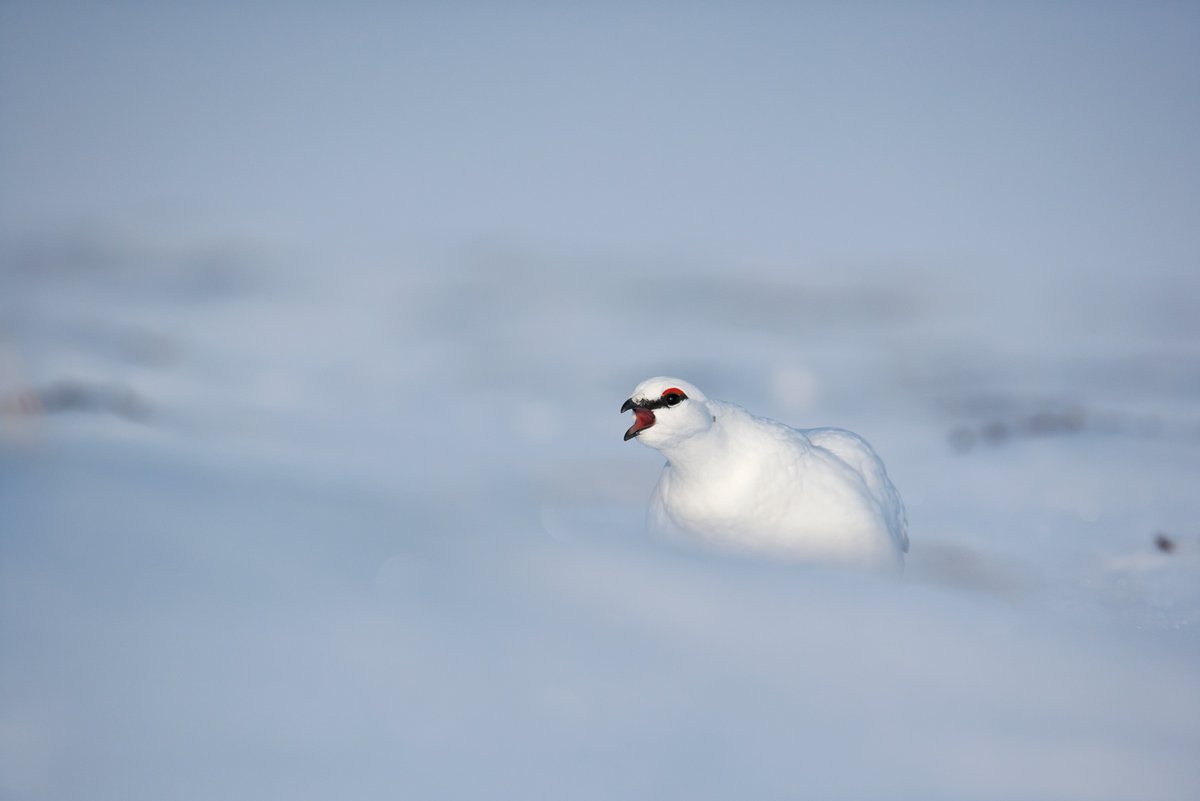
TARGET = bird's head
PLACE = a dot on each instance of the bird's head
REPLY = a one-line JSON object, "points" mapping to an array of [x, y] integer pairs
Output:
{"points": [[666, 410]]}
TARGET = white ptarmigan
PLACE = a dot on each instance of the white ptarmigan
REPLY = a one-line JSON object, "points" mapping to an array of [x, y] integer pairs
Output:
{"points": [[736, 480]]}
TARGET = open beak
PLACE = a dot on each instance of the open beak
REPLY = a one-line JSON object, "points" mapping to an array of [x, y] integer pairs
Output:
{"points": [[643, 419]]}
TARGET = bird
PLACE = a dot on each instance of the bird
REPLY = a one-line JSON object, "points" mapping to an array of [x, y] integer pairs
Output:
{"points": [[749, 484]]}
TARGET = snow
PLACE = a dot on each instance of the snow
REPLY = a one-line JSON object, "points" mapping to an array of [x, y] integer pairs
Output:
{"points": [[328, 496]]}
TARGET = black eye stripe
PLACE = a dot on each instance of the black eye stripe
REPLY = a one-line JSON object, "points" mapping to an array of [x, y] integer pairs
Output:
{"points": [[670, 400]]}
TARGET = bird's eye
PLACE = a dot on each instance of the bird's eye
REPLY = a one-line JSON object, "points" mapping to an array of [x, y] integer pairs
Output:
{"points": [[672, 398]]}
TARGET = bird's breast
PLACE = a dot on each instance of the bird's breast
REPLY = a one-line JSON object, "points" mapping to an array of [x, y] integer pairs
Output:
{"points": [[731, 498]]}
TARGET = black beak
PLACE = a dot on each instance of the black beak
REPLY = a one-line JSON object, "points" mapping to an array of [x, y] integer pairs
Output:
{"points": [[643, 418]]}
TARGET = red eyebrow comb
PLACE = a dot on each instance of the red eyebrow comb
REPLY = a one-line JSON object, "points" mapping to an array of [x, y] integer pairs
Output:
{"points": [[676, 390]]}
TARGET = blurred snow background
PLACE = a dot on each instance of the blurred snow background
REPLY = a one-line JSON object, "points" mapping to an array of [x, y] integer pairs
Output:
{"points": [[315, 321]]}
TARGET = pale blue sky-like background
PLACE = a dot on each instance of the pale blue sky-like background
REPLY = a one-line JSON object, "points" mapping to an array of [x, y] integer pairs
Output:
{"points": [[314, 324], [991, 134]]}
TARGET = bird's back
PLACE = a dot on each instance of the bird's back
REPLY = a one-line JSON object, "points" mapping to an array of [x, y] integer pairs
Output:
{"points": [[857, 452]]}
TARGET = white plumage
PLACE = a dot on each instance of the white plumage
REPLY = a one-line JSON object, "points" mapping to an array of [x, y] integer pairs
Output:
{"points": [[737, 480]]}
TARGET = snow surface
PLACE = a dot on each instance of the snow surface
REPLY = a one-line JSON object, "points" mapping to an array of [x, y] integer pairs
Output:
{"points": [[329, 316]]}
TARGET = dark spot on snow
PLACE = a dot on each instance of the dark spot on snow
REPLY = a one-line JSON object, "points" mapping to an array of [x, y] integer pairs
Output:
{"points": [[1164, 543], [66, 396], [999, 423], [995, 432], [962, 439]]}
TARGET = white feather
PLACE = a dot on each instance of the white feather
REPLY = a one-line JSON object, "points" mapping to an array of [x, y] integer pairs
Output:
{"points": [[736, 480]]}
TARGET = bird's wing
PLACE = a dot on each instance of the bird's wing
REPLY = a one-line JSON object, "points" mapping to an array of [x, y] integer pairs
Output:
{"points": [[856, 452]]}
